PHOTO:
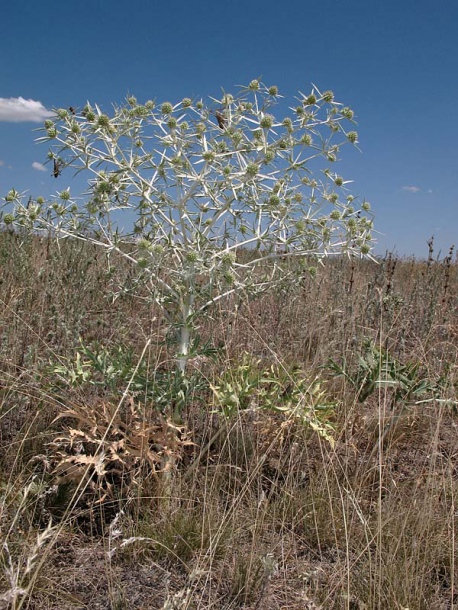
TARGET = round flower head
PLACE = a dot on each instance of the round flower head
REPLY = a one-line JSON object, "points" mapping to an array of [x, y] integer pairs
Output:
{"points": [[166, 108], [352, 136], [228, 258], [140, 111], [192, 257], [142, 263], [145, 244], [267, 121], [209, 156], [103, 121], [252, 170], [269, 156], [288, 123]]}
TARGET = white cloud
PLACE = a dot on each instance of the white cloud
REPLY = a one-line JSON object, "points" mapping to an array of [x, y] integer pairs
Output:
{"points": [[411, 189], [19, 110], [38, 166], [2, 162]]}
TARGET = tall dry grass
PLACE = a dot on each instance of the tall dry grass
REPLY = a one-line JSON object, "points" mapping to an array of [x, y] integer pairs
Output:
{"points": [[248, 510]]}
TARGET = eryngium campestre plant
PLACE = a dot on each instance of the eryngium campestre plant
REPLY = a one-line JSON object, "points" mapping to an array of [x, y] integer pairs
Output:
{"points": [[200, 183]]}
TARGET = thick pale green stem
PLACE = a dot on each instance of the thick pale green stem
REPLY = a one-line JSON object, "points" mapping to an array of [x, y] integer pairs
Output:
{"points": [[184, 339], [183, 348]]}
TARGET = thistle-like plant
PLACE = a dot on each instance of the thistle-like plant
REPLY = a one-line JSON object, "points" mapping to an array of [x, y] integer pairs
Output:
{"points": [[221, 196]]}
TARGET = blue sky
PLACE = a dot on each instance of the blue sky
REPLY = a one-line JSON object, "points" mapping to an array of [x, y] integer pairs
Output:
{"points": [[394, 62]]}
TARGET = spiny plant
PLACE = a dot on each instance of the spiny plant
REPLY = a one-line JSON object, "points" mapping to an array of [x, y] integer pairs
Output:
{"points": [[275, 388], [378, 368], [112, 369], [201, 183], [106, 448]]}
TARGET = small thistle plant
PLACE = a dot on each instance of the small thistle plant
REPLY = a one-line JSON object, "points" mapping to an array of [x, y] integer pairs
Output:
{"points": [[202, 183]]}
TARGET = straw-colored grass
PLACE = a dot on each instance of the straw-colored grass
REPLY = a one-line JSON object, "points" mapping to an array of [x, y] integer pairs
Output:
{"points": [[285, 485]]}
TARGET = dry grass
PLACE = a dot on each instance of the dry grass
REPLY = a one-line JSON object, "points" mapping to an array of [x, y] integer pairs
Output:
{"points": [[106, 503]]}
